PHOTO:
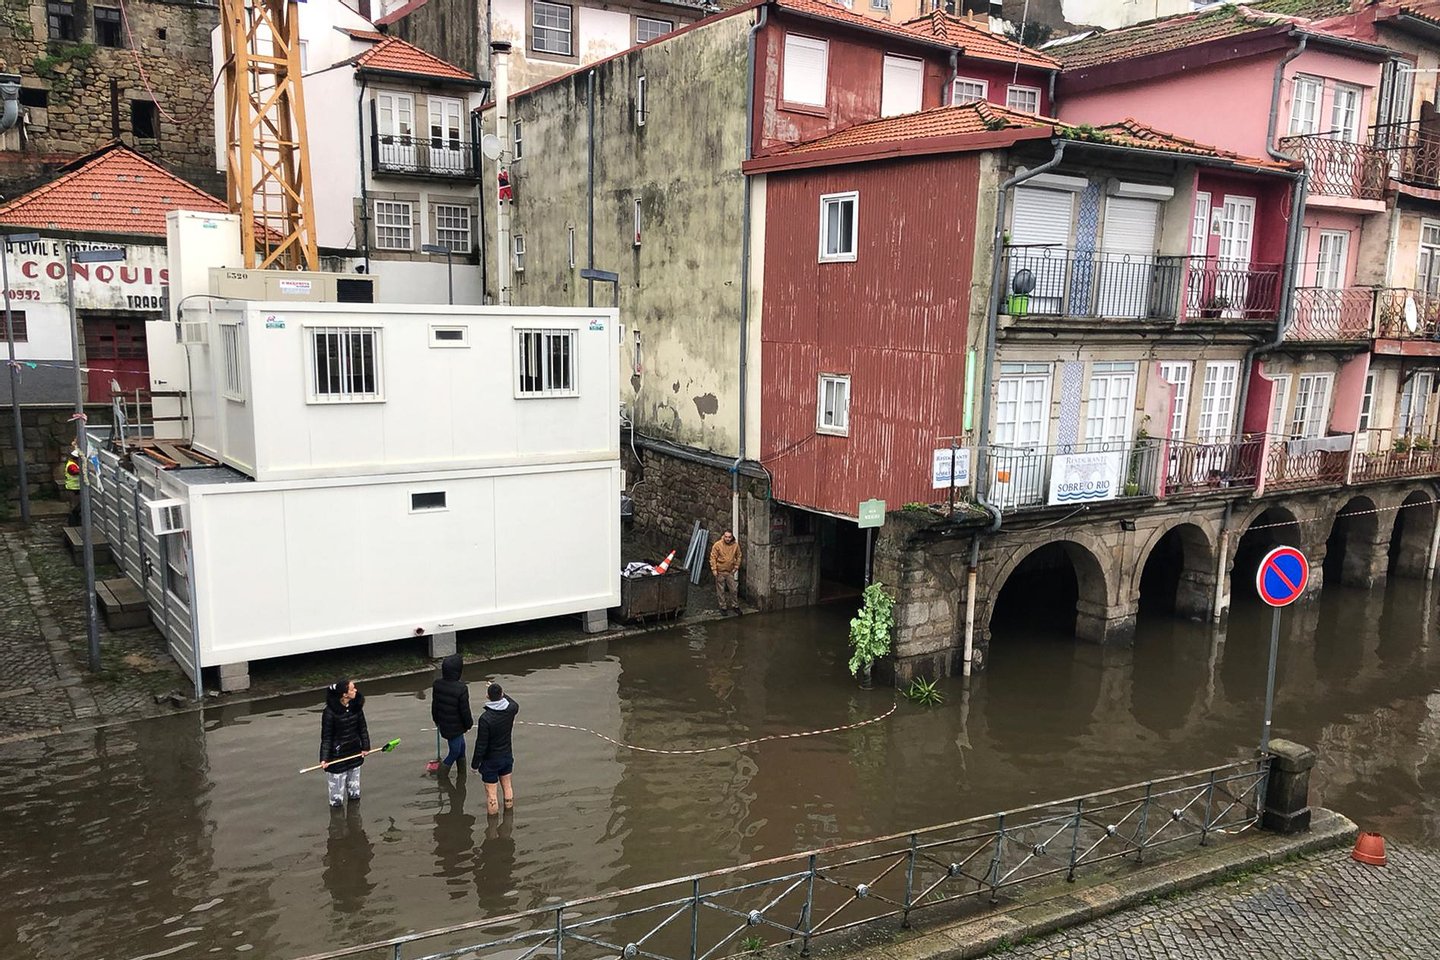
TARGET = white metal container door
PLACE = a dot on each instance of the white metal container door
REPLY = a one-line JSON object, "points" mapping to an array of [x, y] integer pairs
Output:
{"points": [[1127, 249], [1018, 461], [1040, 237], [445, 149], [1237, 233]]}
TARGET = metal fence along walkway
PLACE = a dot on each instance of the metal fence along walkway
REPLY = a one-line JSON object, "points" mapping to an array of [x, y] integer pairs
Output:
{"points": [[794, 899]]}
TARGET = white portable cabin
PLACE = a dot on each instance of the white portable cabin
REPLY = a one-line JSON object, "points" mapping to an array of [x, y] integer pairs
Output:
{"points": [[388, 471]]}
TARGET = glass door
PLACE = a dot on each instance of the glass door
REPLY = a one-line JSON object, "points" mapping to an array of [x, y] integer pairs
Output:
{"points": [[446, 154]]}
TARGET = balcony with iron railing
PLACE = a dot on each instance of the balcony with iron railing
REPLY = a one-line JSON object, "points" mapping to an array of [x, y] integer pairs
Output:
{"points": [[428, 157], [1412, 151], [1048, 281], [1363, 313], [1336, 167]]}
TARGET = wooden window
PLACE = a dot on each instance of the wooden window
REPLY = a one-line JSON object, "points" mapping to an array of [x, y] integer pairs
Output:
{"points": [[551, 28], [109, 28], [967, 90], [393, 228], [17, 321], [1023, 99], [60, 18]]}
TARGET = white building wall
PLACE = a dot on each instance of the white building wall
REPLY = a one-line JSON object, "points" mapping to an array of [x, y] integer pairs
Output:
{"points": [[1120, 13]]}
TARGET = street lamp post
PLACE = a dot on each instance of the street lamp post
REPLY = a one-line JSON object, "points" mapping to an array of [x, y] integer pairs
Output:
{"points": [[15, 372], [449, 272], [72, 257]]}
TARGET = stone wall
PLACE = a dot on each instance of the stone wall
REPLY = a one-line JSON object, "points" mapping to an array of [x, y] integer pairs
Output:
{"points": [[449, 29], [48, 433], [79, 95]]}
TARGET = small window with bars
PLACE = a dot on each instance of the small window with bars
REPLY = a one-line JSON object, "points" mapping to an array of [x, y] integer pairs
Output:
{"points": [[545, 363], [345, 365], [109, 29], [452, 227], [17, 322], [393, 228], [550, 31], [232, 357]]}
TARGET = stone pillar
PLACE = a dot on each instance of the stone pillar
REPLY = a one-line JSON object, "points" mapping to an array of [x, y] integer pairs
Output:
{"points": [[1413, 561], [1195, 594], [595, 621], [1366, 564], [1105, 622], [442, 644], [1287, 792], [234, 677]]}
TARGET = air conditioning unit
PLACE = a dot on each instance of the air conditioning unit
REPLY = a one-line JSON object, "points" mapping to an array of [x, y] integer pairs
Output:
{"points": [[192, 332], [166, 516], [300, 285]]}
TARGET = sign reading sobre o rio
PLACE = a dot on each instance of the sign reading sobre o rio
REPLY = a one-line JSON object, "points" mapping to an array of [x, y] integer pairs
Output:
{"points": [[1085, 477]]}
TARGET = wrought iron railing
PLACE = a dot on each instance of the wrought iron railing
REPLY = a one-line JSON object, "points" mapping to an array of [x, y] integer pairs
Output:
{"points": [[1379, 455], [1022, 477], [1412, 151], [1339, 168], [1319, 461], [423, 156], [1322, 314], [1209, 467], [796, 899], [1394, 322], [1218, 289], [1057, 282]]}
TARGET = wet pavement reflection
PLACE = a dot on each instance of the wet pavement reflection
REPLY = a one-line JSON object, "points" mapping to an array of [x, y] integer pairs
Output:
{"points": [[187, 837]]}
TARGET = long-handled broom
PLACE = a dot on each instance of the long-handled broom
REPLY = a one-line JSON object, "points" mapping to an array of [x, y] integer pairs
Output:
{"points": [[385, 749]]}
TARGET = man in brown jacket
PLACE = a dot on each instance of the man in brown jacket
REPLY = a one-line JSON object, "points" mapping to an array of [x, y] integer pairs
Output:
{"points": [[725, 565]]}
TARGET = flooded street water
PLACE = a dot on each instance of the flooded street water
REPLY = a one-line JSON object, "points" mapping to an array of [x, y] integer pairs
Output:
{"points": [[187, 838]]}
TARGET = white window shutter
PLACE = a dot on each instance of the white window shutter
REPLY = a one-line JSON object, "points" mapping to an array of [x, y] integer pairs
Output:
{"points": [[806, 63], [901, 86]]}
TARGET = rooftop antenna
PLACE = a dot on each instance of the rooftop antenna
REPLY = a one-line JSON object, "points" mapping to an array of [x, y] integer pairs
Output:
{"points": [[1020, 43]]}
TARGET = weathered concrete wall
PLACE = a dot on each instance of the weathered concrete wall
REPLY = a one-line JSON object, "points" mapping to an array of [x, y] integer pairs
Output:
{"points": [[680, 284], [449, 29], [87, 89]]}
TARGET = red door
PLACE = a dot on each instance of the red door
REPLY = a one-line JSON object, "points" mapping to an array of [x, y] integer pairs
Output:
{"points": [[114, 350]]}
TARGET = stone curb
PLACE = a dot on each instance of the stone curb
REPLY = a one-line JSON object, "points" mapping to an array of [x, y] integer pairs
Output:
{"points": [[1071, 905]]}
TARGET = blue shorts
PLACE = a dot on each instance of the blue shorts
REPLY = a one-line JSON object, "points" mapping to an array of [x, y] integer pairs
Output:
{"points": [[493, 768]]}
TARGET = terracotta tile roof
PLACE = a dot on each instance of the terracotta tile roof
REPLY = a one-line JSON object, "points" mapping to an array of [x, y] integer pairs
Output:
{"points": [[834, 11], [1160, 36], [983, 117], [1308, 9], [372, 35], [978, 43], [115, 190], [394, 55]]}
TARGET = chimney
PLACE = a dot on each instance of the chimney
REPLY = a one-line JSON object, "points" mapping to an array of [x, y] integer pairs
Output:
{"points": [[500, 90]]}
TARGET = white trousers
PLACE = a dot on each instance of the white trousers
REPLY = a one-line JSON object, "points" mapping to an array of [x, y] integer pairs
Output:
{"points": [[342, 784]]}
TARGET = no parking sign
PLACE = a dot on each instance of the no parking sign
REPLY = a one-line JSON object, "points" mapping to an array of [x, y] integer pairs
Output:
{"points": [[1282, 576]]}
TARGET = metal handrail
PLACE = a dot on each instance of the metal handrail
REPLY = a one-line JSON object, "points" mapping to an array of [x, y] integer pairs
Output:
{"points": [[801, 896], [1204, 467], [1338, 167], [1412, 151], [1321, 313], [425, 156]]}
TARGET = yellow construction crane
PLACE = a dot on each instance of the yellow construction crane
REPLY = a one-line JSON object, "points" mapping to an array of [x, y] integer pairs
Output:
{"points": [[267, 160]]}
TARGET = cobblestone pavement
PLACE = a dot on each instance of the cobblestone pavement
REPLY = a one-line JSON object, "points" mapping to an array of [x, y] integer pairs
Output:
{"points": [[1322, 907]]}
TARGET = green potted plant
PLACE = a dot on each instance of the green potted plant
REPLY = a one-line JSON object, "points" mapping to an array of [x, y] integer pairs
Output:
{"points": [[1216, 305], [1402, 444], [1137, 461], [870, 631], [1421, 443]]}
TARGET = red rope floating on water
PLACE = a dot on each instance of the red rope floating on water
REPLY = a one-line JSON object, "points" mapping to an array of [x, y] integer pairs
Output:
{"points": [[729, 746]]}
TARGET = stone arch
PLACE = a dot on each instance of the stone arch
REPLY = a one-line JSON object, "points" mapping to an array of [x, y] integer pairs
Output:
{"points": [[1178, 573], [1411, 534], [1071, 573], [1264, 528], [1355, 552]]}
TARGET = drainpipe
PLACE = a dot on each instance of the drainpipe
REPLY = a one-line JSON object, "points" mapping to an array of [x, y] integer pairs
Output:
{"points": [[500, 51], [1222, 550], [745, 268], [970, 581], [1054, 109], [364, 195], [590, 189], [1292, 240], [947, 96], [992, 324]]}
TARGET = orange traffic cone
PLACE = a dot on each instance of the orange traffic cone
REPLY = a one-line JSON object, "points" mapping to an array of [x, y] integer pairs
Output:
{"points": [[1369, 848], [665, 564]]}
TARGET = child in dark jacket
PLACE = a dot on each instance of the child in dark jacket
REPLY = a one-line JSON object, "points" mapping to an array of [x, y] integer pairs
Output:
{"points": [[344, 740], [494, 757], [450, 709]]}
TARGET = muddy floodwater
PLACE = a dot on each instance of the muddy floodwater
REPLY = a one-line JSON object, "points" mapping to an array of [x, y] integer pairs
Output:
{"points": [[190, 837]]}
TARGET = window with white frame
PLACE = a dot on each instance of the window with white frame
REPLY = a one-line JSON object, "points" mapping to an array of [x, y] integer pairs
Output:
{"points": [[550, 28], [966, 90], [1023, 99], [1110, 408], [641, 106], [393, 227], [902, 82], [1331, 260], [517, 140], [1312, 406], [452, 227], [1367, 403], [639, 222], [345, 364], [832, 413], [805, 70], [519, 243], [1279, 403], [233, 357], [545, 363], [1427, 271], [1305, 105], [648, 28], [1177, 374], [1415, 405], [570, 246], [1217, 400], [1345, 113], [839, 223]]}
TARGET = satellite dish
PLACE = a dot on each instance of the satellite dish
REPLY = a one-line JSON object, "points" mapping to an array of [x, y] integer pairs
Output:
{"points": [[491, 146], [1023, 282], [1412, 320]]}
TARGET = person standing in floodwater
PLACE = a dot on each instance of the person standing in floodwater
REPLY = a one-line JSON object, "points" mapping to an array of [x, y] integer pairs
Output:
{"points": [[494, 756], [344, 740]]}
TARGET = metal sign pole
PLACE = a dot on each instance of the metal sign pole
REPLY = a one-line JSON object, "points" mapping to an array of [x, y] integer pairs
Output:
{"points": [[869, 553], [1270, 680], [952, 476]]}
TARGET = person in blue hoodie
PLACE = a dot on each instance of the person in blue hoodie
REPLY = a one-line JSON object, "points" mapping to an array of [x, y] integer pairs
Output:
{"points": [[344, 740], [494, 757]]}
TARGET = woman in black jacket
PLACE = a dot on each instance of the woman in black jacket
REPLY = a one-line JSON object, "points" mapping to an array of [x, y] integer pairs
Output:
{"points": [[343, 735], [494, 757], [450, 709]]}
